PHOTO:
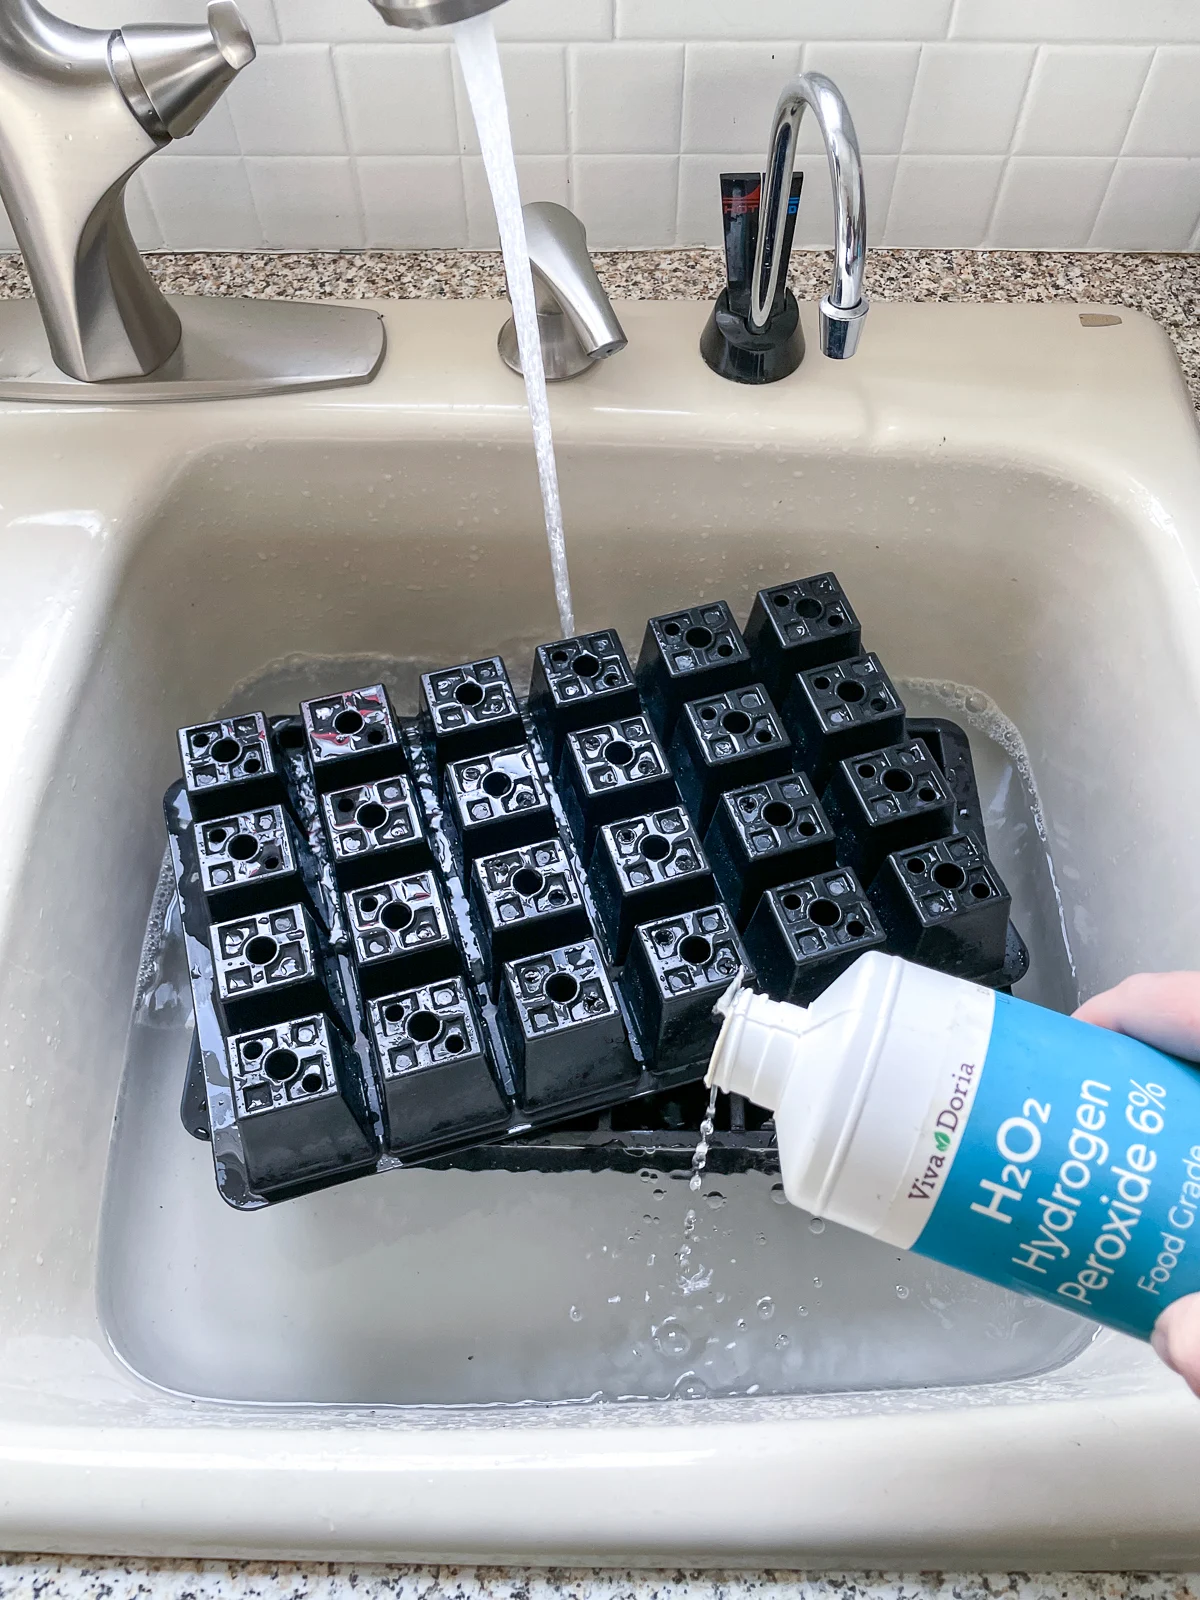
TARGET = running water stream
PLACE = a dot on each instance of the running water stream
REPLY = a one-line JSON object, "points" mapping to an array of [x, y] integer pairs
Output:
{"points": [[475, 41]]}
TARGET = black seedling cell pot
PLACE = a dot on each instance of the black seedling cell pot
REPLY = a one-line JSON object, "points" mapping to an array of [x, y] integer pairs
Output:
{"points": [[248, 863], [943, 904], [401, 933], [613, 771], [266, 967], [352, 737], [578, 683], [645, 868], [563, 1027], [725, 741], [398, 918], [433, 1066], [678, 969], [804, 934], [298, 1103], [686, 654], [468, 709], [795, 626], [497, 801], [887, 800], [526, 901], [374, 832], [767, 834], [229, 766], [840, 710]]}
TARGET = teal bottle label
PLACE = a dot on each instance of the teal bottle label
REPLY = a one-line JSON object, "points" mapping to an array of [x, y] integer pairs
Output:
{"points": [[1077, 1177]]}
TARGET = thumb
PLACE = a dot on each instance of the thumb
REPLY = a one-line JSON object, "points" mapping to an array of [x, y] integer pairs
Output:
{"points": [[1176, 1339]]}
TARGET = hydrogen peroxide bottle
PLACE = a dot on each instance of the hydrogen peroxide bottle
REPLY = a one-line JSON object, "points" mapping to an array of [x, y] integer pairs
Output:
{"points": [[1044, 1154]]}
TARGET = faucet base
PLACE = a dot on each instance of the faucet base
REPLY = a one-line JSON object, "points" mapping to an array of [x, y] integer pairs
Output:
{"points": [[563, 356], [229, 349], [733, 351]]}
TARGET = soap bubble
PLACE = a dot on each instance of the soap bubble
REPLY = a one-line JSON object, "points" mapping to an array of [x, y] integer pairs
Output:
{"points": [[816, 1224]]}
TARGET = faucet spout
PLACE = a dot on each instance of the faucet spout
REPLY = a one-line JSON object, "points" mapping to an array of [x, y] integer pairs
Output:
{"points": [[80, 110], [845, 306]]}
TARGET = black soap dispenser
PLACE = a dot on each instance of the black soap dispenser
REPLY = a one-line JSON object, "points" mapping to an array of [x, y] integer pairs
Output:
{"points": [[728, 344]]}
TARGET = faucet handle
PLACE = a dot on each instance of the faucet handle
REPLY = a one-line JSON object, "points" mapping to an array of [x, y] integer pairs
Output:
{"points": [[172, 76], [577, 323]]}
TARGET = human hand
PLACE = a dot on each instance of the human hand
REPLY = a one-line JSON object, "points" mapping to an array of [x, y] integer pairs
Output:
{"points": [[1161, 1009]]}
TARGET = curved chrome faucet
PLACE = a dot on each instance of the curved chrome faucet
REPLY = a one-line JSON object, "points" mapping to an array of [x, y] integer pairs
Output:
{"points": [[845, 306], [576, 321], [80, 110]]}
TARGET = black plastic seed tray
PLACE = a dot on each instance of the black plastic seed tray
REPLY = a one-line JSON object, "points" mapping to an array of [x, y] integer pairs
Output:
{"points": [[492, 934]]}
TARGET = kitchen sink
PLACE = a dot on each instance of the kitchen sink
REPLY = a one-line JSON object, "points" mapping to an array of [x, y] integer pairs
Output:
{"points": [[503, 1365]]}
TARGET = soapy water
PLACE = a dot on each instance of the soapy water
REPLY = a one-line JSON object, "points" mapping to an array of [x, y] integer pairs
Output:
{"points": [[475, 41], [459, 1288]]}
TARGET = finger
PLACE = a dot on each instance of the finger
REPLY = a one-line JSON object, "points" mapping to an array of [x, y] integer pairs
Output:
{"points": [[1176, 1339], [1160, 1008]]}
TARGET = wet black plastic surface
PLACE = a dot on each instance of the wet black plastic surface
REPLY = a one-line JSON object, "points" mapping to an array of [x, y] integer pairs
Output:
{"points": [[449, 954]]}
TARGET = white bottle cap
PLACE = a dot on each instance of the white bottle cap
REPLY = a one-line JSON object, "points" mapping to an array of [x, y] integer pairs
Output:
{"points": [[757, 1047]]}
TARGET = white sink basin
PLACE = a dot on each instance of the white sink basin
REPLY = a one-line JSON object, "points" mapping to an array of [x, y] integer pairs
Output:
{"points": [[1012, 499]]}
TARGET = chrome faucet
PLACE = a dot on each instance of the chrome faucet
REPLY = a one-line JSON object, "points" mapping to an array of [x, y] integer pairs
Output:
{"points": [[80, 110], [845, 306], [576, 321], [430, 13]]}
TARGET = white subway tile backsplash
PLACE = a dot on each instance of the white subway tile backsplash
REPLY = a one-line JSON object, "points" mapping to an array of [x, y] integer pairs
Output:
{"points": [[942, 201], [1150, 205], [1077, 21], [203, 203], [413, 202], [1081, 99], [1049, 202], [782, 19], [535, 85], [877, 81], [1167, 120], [286, 104], [625, 202], [1043, 123], [626, 99], [729, 94], [539, 178], [307, 202], [397, 102], [966, 99]]}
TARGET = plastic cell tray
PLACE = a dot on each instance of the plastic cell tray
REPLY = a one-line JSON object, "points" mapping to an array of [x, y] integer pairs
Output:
{"points": [[492, 934]]}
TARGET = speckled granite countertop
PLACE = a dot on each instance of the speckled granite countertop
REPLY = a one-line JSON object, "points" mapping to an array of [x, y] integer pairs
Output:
{"points": [[1167, 287], [39, 1577]]}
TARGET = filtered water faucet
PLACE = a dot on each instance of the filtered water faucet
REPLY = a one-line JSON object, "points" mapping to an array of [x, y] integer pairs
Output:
{"points": [[80, 110], [845, 306]]}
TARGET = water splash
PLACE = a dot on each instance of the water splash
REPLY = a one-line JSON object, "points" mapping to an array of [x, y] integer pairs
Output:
{"points": [[700, 1154], [475, 41]]}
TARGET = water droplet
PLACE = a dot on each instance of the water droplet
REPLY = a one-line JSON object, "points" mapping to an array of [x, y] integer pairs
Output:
{"points": [[766, 1308], [801, 1311], [816, 1224], [901, 1292], [690, 1387], [816, 1283], [671, 1338], [576, 1314], [778, 1195], [658, 1193], [782, 1342], [715, 1201]]}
